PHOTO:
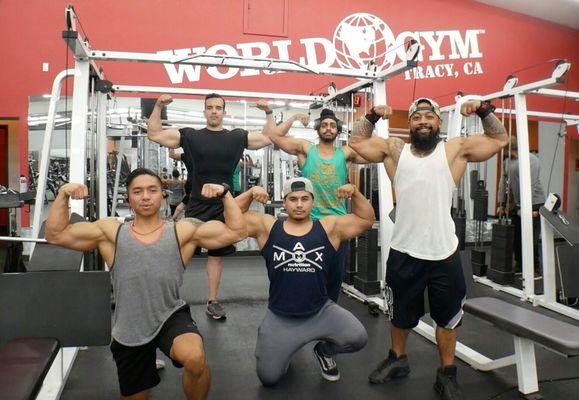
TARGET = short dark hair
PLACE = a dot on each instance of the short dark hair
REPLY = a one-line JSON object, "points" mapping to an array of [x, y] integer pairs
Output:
{"points": [[141, 171], [214, 96], [176, 173]]}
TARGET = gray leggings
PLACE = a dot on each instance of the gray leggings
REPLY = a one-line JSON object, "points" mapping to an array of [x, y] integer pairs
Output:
{"points": [[279, 338]]}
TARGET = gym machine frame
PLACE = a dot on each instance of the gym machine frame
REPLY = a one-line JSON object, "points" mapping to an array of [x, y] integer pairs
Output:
{"points": [[85, 68], [548, 299]]}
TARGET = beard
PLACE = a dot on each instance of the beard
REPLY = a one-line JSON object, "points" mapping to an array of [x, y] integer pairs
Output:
{"points": [[424, 142], [327, 139]]}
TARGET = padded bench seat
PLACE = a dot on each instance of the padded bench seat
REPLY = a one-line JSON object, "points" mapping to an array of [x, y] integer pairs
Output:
{"points": [[556, 335], [23, 365]]}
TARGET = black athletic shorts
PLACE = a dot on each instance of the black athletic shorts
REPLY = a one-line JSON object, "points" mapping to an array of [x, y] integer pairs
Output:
{"points": [[208, 211], [136, 367], [408, 277]]}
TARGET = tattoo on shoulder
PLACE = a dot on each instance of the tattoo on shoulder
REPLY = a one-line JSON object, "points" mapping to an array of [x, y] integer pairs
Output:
{"points": [[395, 146], [492, 126], [363, 127]]}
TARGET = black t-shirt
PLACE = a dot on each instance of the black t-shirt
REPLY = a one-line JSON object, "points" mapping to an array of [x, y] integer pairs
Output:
{"points": [[211, 157]]}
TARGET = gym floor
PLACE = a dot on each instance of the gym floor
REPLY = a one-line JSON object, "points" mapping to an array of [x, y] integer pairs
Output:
{"points": [[230, 351]]}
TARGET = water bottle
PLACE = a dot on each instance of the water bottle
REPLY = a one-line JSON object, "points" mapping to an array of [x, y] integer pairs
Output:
{"points": [[23, 184]]}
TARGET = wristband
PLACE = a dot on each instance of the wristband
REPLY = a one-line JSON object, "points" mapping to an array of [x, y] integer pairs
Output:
{"points": [[485, 109], [226, 190], [269, 112], [372, 117]]}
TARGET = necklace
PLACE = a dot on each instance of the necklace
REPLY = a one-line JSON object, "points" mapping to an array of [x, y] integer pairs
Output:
{"points": [[148, 233]]}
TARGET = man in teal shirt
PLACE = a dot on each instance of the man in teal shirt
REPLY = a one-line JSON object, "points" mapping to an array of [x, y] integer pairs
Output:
{"points": [[326, 167]]}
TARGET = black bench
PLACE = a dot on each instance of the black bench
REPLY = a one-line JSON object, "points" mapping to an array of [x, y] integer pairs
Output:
{"points": [[49, 257], [70, 308], [23, 365]]}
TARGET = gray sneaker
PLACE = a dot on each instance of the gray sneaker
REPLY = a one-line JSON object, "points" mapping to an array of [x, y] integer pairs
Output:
{"points": [[391, 368], [215, 310]]}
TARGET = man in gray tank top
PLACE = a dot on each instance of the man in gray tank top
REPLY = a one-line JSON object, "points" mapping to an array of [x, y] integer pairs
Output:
{"points": [[423, 250], [147, 258]]}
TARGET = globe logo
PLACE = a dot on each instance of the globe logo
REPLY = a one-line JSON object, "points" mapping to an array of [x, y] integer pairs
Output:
{"points": [[361, 39]]}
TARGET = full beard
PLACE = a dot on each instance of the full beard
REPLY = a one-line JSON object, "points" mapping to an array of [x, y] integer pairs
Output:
{"points": [[424, 143], [327, 139]]}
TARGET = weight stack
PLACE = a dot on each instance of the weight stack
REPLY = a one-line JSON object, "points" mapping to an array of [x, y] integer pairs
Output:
{"points": [[478, 261], [350, 272], [501, 265], [481, 202], [366, 279]]}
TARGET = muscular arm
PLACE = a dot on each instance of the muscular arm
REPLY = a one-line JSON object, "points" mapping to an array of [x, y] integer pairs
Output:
{"points": [[360, 220], [354, 157], [258, 226], [363, 127], [155, 132], [215, 234], [279, 135], [373, 148], [482, 147], [376, 149], [257, 140], [82, 236], [245, 199]]}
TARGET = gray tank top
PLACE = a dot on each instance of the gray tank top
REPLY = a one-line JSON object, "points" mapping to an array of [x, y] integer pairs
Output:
{"points": [[146, 280]]}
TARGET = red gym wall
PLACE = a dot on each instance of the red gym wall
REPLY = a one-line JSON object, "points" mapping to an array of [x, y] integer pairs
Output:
{"points": [[468, 46]]}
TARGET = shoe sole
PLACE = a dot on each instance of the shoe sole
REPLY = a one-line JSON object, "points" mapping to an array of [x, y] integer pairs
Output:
{"points": [[216, 317], [331, 378], [395, 374]]}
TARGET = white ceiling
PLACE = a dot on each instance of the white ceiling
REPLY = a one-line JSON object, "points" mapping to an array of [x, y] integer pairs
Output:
{"points": [[563, 12]]}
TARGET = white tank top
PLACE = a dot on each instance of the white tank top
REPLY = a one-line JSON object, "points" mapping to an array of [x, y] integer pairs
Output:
{"points": [[424, 227]]}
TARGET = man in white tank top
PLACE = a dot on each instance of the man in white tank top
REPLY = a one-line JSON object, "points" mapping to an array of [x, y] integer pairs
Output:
{"points": [[423, 251], [149, 312]]}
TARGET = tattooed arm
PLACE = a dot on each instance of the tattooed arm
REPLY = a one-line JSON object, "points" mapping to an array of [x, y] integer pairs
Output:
{"points": [[374, 148], [364, 126], [482, 147]]}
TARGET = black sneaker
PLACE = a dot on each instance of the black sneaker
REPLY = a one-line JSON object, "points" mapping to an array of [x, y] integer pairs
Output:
{"points": [[446, 385], [391, 368], [215, 310], [330, 370]]}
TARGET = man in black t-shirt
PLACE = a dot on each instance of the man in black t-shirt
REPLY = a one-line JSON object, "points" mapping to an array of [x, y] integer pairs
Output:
{"points": [[210, 155]]}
